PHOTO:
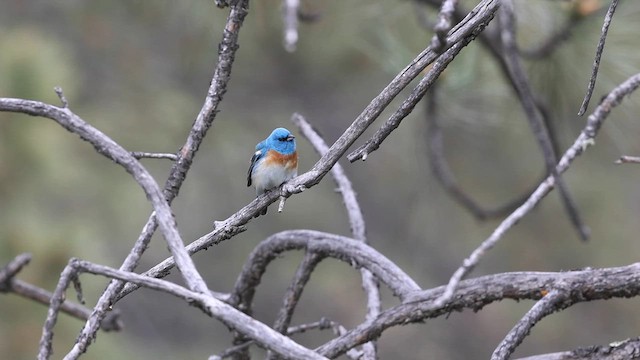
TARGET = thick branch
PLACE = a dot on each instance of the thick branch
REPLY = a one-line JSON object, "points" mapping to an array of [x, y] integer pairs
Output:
{"points": [[619, 350], [474, 294]]}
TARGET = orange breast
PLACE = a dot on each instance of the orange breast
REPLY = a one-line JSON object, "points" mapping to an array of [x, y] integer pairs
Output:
{"points": [[289, 161]]}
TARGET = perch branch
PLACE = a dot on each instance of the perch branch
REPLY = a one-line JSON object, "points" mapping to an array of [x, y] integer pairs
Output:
{"points": [[628, 160], [226, 229]]}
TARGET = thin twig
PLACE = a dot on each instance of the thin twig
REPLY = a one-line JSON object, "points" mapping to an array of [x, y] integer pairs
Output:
{"points": [[9, 271], [625, 159], [147, 155], [596, 60], [551, 302], [529, 105], [586, 138]]}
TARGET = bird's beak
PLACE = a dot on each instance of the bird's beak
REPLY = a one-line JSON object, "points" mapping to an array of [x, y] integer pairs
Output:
{"points": [[290, 137]]}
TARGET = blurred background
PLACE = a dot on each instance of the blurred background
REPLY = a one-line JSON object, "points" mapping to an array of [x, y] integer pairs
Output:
{"points": [[139, 71]]}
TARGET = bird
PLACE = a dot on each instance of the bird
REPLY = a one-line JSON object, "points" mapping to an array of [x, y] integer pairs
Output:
{"points": [[274, 162]]}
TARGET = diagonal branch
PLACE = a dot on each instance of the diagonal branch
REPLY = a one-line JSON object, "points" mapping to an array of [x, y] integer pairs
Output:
{"points": [[586, 138], [536, 121], [596, 61]]}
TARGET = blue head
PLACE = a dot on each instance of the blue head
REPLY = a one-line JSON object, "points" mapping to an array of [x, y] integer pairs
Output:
{"points": [[281, 140]]}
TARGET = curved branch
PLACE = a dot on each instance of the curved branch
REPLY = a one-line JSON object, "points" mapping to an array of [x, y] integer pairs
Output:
{"points": [[474, 294], [594, 122], [329, 245]]}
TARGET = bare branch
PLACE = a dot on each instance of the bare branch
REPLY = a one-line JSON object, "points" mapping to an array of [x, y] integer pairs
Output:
{"points": [[596, 60], [147, 155], [551, 302], [585, 139], [537, 123], [582, 285], [619, 350]]}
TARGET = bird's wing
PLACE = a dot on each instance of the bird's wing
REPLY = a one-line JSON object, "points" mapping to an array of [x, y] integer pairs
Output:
{"points": [[254, 159]]}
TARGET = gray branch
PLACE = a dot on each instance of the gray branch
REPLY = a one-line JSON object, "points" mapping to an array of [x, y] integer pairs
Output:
{"points": [[474, 294]]}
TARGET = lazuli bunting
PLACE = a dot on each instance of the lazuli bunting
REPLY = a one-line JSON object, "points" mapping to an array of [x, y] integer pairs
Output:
{"points": [[274, 162]]}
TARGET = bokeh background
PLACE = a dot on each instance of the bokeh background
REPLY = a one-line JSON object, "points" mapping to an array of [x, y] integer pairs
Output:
{"points": [[139, 71]]}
